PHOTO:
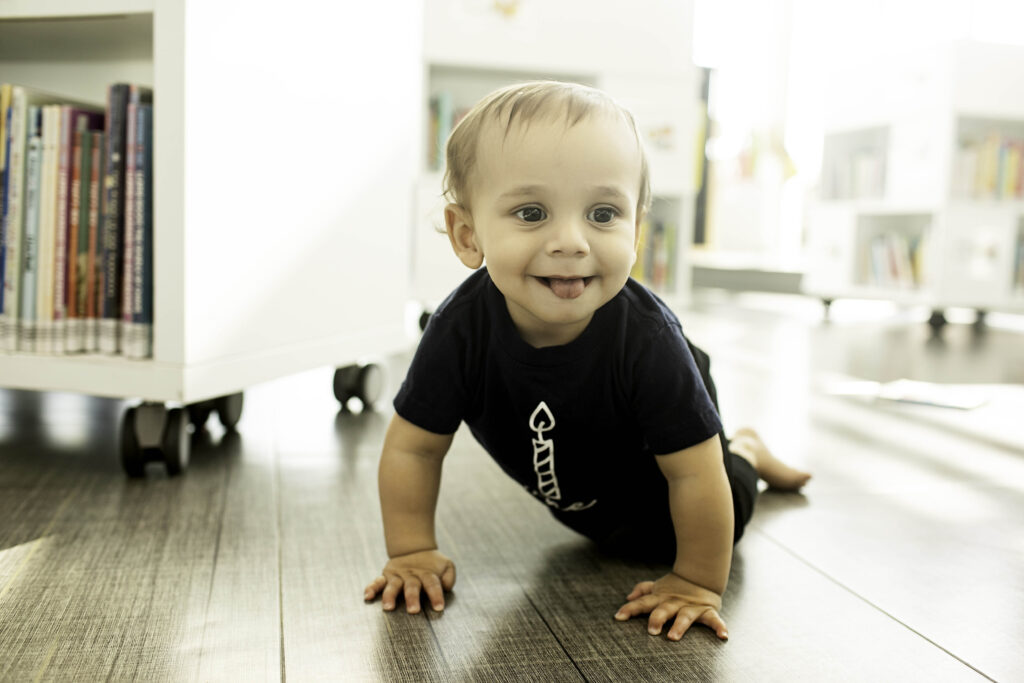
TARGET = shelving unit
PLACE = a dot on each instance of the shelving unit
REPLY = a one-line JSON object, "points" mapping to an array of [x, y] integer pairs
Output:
{"points": [[921, 197], [638, 52], [278, 176]]}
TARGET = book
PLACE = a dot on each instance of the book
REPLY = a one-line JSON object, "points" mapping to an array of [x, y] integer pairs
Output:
{"points": [[139, 281], [26, 326], [120, 95], [93, 262], [5, 115], [47, 232]]}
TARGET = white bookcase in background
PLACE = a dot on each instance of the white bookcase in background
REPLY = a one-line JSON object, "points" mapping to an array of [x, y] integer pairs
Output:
{"points": [[921, 198], [638, 51], [283, 183]]}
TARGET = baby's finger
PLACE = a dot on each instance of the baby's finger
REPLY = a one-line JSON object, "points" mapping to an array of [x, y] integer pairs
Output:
{"points": [[660, 615], [448, 576], [681, 625], [376, 586], [642, 588], [412, 595], [713, 620], [641, 605], [435, 593], [390, 594]]}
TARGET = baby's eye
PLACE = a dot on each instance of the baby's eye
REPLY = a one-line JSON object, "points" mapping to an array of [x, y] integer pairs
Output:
{"points": [[602, 214], [531, 214]]}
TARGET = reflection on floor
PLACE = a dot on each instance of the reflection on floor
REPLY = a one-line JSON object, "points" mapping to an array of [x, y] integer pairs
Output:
{"points": [[902, 561]]}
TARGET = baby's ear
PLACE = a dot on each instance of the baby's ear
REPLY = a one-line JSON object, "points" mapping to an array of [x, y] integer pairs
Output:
{"points": [[459, 225]]}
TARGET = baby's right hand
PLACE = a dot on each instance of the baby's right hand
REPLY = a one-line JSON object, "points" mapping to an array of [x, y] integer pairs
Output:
{"points": [[427, 570]]}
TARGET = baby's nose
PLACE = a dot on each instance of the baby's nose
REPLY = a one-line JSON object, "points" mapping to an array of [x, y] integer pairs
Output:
{"points": [[568, 237]]}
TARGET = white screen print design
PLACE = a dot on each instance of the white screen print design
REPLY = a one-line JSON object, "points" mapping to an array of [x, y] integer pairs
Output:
{"points": [[541, 421]]}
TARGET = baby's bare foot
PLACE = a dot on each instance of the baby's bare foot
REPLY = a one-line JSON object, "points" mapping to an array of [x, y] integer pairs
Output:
{"points": [[747, 444]]}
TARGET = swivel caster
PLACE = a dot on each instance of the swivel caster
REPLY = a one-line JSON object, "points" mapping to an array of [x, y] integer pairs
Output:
{"points": [[365, 382], [228, 408], [152, 433]]}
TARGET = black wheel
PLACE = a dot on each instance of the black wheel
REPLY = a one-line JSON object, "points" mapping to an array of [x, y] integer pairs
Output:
{"points": [[369, 384], [175, 443], [345, 381], [229, 409], [199, 413], [937, 320], [133, 460]]}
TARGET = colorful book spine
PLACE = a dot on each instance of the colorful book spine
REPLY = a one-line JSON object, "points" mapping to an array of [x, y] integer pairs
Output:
{"points": [[13, 217], [73, 338], [142, 282], [94, 264], [47, 232], [26, 330], [5, 146]]}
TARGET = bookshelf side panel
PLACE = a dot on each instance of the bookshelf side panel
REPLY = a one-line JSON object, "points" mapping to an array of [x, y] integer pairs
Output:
{"points": [[300, 173]]}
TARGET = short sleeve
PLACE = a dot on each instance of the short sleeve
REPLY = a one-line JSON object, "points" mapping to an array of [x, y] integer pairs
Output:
{"points": [[432, 396], [671, 402]]}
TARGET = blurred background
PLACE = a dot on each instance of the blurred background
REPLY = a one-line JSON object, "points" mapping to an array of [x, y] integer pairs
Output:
{"points": [[867, 151]]}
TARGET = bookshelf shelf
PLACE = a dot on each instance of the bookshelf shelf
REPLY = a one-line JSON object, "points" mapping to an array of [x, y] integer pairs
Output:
{"points": [[261, 250], [639, 53], [922, 185]]}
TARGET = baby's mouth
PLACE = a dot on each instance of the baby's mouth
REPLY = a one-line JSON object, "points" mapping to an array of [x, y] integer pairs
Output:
{"points": [[566, 287]]}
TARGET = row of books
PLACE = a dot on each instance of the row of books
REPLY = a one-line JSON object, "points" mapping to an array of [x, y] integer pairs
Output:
{"points": [[989, 168], [894, 260], [76, 198], [444, 116], [656, 255]]}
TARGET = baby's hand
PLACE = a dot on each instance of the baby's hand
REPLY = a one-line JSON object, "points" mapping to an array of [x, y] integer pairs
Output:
{"points": [[428, 570], [673, 596]]}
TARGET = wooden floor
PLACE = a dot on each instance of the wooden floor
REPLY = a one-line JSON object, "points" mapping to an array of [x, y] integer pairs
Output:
{"points": [[903, 561]]}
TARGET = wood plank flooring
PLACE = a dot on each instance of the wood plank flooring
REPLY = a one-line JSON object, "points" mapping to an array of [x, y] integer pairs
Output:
{"points": [[903, 560]]}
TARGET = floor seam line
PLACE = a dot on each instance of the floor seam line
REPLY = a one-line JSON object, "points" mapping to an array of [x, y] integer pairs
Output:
{"points": [[867, 602]]}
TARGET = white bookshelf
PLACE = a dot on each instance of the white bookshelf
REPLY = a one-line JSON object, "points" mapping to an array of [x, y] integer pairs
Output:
{"points": [[639, 52], [912, 174], [284, 175]]}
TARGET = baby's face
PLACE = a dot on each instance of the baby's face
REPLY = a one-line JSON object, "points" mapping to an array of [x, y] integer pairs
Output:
{"points": [[554, 212]]}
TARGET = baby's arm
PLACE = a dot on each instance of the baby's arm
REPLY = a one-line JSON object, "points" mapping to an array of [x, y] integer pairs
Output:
{"points": [[701, 507], [409, 478]]}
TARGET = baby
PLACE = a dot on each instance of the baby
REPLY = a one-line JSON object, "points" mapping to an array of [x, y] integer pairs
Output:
{"points": [[575, 378]]}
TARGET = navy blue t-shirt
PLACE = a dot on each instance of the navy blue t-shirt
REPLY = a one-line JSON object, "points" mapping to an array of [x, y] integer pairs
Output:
{"points": [[577, 425]]}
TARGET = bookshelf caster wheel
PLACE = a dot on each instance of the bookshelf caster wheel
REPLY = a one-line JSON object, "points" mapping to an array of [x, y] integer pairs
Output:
{"points": [[175, 443], [152, 433], [133, 459], [937, 321], [365, 382], [229, 409], [199, 413]]}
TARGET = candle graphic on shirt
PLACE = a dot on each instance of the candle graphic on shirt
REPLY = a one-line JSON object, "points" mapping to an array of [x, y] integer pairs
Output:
{"points": [[542, 420]]}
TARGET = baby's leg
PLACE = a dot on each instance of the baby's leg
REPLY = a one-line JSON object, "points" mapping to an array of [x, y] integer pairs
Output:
{"points": [[748, 445]]}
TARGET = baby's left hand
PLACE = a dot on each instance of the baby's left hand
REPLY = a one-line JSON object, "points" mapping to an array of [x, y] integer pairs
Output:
{"points": [[673, 596]]}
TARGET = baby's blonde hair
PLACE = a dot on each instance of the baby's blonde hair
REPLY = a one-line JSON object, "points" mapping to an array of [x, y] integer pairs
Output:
{"points": [[525, 102]]}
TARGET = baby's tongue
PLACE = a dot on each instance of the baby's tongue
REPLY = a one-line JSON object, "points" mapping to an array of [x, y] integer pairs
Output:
{"points": [[567, 289]]}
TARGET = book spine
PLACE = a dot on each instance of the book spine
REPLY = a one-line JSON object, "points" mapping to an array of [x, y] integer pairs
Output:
{"points": [[14, 217], [5, 150], [26, 333], [113, 219], [143, 289], [128, 339], [71, 338], [81, 245], [47, 232], [60, 236], [94, 263]]}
